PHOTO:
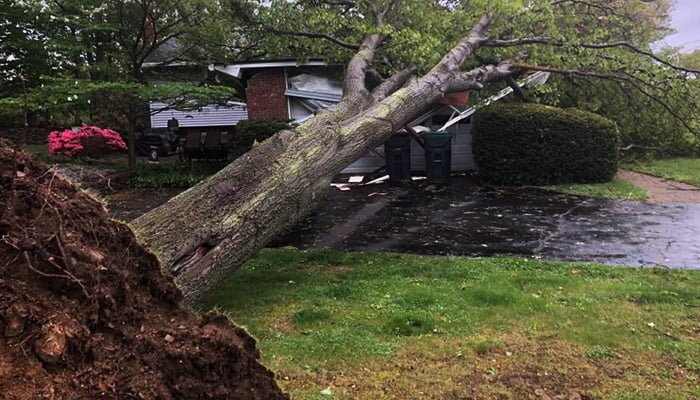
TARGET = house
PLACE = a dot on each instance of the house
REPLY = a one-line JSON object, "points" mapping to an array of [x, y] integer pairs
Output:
{"points": [[287, 89], [162, 68], [224, 117]]}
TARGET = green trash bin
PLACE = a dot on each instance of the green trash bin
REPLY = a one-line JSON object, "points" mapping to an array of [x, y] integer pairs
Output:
{"points": [[438, 156]]}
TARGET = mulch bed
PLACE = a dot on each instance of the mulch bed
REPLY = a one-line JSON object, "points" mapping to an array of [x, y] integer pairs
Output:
{"points": [[85, 311]]}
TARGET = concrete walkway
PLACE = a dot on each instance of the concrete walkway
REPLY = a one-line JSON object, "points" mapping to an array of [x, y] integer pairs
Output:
{"points": [[661, 190]]}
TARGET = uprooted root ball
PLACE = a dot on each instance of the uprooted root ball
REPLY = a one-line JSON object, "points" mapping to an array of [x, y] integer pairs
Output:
{"points": [[86, 313]]}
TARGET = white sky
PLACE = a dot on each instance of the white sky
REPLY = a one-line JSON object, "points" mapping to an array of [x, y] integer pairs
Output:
{"points": [[686, 21]]}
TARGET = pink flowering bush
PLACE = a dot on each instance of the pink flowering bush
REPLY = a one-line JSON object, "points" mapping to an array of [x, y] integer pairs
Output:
{"points": [[87, 141]]}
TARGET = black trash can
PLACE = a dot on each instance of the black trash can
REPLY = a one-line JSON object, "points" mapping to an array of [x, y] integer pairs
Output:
{"points": [[397, 154], [438, 156]]}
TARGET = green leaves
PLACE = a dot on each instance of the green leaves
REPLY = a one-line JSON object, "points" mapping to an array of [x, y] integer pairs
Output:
{"points": [[61, 97], [538, 145]]}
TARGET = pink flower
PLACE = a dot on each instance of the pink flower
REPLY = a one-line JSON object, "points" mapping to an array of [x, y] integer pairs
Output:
{"points": [[69, 143]]}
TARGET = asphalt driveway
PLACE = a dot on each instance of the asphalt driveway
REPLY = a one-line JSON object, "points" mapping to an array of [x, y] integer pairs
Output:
{"points": [[465, 219]]}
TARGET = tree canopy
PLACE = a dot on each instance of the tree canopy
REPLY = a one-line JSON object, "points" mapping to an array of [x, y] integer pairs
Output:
{"points": [[70, 54], [108, 40], [604, 51]]}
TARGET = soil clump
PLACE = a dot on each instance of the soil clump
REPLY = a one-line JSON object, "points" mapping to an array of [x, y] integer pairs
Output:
{"points": [[86, 313]]}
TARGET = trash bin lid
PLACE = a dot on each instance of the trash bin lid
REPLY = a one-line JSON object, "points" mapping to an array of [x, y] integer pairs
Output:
{"points": [[438, 139], [438, 133]]}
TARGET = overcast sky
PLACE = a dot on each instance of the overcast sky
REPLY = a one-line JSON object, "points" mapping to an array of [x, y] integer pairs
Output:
{"points": [[686, 20]]}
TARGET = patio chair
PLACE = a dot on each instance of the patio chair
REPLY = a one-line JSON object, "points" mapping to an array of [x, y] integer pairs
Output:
{"points": [[213, 146], [193, 145]]}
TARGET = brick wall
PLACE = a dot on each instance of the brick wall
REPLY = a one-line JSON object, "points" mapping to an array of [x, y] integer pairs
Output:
{"points": [[265, 95]]}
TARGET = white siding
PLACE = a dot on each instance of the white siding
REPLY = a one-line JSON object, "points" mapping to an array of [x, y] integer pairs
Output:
{"points": [[207, 116], [368, 163], [462, 156]]}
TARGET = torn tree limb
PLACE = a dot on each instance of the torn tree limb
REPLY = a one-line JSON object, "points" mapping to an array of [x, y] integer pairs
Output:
{"points": [[476, 78]]}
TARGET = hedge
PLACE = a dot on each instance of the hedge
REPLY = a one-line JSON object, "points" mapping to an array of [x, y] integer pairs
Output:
{"points": [[532, 144], [248, 131]]}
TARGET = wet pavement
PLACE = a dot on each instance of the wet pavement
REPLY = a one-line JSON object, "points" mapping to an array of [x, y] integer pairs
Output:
{"points": [[464, 219]]}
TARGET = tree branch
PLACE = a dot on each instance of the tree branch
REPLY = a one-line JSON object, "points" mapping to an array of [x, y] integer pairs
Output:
{"points": [[333, 3], [389, 7], [359, 64], [454, 59], [612, 77], [607, 9], [594, 46], [396, 82], [517, 89], [373, 78], [476, 78], [631, 47], [315, 35], [515, 42]]}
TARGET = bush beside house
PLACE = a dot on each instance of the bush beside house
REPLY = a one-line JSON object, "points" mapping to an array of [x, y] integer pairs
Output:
{"points": [[251, 130], [532, 144]]}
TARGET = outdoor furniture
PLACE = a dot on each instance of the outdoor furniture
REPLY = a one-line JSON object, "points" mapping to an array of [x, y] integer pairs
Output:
{"points": [[212, 149], [213, 146], [193, 145], [163, 140]]}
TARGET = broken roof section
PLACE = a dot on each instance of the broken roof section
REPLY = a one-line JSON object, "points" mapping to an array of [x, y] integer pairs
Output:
{"points": [[313, 91], [538, 78], [318, 89], [237, 70], [310, 86]]}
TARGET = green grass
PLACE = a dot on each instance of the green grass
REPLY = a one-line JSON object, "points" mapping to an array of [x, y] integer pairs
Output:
{"points": [[170, 172], [173, 174], [40, 150], [365, 318], [686, 170], [615, 189], [115, 161]]}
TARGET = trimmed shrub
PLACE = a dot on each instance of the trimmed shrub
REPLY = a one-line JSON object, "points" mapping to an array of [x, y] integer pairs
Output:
{"points": [[532, 144], [89, 141], [250, 130]]}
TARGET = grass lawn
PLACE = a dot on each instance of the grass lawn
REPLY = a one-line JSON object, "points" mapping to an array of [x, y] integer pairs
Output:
{"points": [[685, 170], [338, 325], [615, 189], [40, 150], [116, 161], [170, 172]]}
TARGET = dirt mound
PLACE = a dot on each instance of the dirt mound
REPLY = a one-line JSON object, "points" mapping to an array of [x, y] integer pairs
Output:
{"points": [[86, 313]]}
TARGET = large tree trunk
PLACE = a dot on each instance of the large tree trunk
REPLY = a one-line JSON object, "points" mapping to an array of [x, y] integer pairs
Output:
{"points": [[207, 232]]}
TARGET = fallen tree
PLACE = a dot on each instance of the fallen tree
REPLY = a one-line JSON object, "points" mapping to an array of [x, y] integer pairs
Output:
{"points": [[208, 231]]}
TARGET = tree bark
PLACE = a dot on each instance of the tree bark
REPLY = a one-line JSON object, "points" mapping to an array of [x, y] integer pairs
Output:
{"points": [[205, 233]]}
